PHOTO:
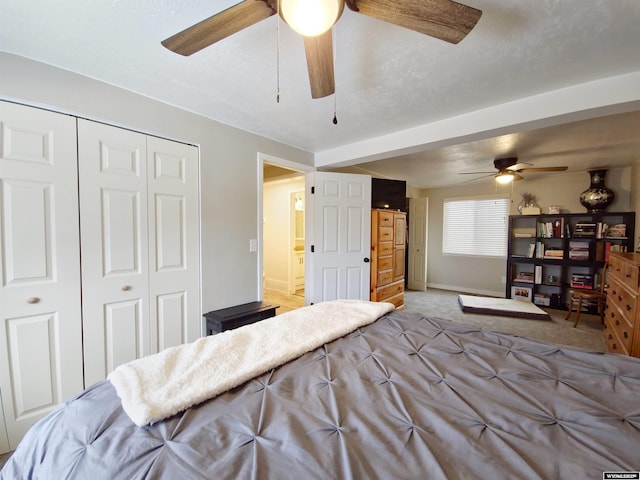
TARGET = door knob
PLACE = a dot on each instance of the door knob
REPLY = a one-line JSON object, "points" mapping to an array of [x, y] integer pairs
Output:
{"points": [[126, 288], [33, 300], [366, 260]]}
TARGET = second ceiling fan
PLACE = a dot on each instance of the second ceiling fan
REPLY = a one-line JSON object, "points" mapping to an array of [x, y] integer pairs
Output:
{"points": [[509, 170], [443, 19]]}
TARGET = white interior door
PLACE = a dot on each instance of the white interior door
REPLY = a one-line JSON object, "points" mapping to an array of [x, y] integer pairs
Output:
{"points": [[418, 221], [338, 236], [114, 235], [40, 331], [174, 259]]}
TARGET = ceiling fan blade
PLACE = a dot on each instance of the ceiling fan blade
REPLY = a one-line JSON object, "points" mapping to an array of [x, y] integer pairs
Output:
{"points": [[319, 52], [518, 166], [476, 173], [542, 169], [217, 27], [478, 178], [443, 19]]}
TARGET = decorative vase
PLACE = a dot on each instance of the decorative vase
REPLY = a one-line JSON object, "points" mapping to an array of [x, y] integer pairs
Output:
{"points": [[526, 204], [597, 197]]}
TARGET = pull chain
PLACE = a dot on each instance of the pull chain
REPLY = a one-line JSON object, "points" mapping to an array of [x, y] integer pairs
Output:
{"points": [[278, 52], [335, 95]]}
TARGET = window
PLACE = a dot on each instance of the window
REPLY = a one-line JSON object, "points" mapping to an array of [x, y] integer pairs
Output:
{"points": [[475, 226]]}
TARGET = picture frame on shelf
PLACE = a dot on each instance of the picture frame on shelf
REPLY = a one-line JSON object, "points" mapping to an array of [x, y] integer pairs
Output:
{"points": [[524, 294]]}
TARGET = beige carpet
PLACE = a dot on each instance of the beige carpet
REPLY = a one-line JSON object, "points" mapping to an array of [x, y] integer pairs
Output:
{"points": [[444, 304]]}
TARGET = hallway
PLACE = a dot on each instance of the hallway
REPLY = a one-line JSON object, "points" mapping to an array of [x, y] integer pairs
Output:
{"points": [[286, 302]]}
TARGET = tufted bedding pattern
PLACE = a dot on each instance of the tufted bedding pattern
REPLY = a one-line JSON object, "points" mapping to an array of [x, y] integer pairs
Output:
{"points": [[405, 397]]}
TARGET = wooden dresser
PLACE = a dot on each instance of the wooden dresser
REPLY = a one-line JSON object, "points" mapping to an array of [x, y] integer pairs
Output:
{"points": [[388, 247], [622, 319]]}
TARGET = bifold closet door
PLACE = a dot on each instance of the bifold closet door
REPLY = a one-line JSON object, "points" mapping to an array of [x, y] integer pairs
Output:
{"points": [[139, 243], [112, 166], [41, 329], [174, 243]]}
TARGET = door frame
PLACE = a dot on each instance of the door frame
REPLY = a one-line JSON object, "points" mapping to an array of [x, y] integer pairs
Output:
{"points": [[280, 162], [292, 239]]}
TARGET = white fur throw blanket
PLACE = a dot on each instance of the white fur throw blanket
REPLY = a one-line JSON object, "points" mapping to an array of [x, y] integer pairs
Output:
{"points": [[161, 385]]}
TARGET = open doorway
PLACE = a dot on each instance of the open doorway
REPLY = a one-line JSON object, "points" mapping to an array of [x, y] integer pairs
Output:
{"points": [[282, 224]]}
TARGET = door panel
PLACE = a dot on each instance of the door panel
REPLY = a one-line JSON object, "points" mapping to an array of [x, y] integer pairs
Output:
{"points": [[174, 246], [27, 255], [40, 330], [115, 272], [31, 339], [338, 226], [171, 306], [124, 332], [121, 231]]}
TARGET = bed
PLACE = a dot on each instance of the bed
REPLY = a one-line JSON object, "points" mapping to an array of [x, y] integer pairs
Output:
{"points": [[401, 396]]}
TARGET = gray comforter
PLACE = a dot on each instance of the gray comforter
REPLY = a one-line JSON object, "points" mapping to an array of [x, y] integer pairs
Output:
{"points": [[405, 397]]}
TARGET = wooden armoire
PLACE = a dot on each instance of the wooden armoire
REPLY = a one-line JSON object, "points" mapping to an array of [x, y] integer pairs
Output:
{"points": [[388, 248]]}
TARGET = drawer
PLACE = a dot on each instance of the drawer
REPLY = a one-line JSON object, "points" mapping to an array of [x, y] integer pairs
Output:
{"points": [[397, 300], [614, 345], [385, 234], [385, 249], [385, 277], [622, 298], [385, 219], [624, 271], [389, 291], [617, 326], [385, 263]]}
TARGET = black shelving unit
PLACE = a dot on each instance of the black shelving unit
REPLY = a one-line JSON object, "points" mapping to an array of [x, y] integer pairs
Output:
{"points": [[572, 254]]}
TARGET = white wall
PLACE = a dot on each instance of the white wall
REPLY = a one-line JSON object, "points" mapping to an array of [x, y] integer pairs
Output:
{"points": [[483, 275], [277, 231], [228, 164]]}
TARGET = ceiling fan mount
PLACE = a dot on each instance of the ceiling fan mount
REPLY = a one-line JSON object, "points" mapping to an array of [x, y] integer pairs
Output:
{"points": [[504, 163], [442, 19]]}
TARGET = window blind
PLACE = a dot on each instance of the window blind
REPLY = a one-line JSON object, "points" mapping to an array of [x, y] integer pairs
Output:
{"points": [[475, 226]]}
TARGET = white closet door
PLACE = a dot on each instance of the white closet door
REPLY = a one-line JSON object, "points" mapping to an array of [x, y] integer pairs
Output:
{"points": [[40, 331], [174, 260], [114, 239], [4, 438]]}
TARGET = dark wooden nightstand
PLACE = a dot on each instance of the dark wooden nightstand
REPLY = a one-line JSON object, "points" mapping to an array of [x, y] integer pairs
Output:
{"points": [[234, 317]]}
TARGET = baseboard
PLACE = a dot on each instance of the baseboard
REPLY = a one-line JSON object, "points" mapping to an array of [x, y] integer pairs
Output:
{"points": [[276, 286], [487, 293]]}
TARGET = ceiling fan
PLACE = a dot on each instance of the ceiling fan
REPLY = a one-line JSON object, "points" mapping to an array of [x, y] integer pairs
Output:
{"points": [[443, 19], [509, 170]]}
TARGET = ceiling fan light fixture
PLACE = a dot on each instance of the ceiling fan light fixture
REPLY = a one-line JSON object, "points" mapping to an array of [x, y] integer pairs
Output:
{"points": [[505, 177], [311, 17]]}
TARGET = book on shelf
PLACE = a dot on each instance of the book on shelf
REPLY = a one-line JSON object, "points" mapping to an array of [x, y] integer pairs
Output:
{"points": [[532, 250], [526, 277], [604, 248], [578, 250], [553, 229], [585, 229], [580, 280], [618, 230], [555, 254], [537, 274]]}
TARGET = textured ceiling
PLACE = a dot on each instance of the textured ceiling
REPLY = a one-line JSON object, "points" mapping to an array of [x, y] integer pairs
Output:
{"points": [[388, 79]]}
